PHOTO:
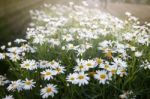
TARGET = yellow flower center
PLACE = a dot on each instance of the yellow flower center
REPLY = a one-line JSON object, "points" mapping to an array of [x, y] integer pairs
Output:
{"points": [[52, 62], [80, 66], [58, 69], [48, 73], [89, 64], [81, 77], [99, 61], [123, 70], [49, 90], [102, 76], [27, 65], [113, 71], [43, 63], [106, 66], [71, 78], [109, 54], [28, 83]]}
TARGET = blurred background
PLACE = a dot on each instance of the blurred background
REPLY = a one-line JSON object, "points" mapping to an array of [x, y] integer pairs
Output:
{"points": [[15, 17], [14, 14]]}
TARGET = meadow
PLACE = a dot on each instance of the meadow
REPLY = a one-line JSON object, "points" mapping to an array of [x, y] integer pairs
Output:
{"points": [[73, 51]]}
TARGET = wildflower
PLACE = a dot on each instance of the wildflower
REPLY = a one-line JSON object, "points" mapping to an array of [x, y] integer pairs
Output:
{"points": [[104, 65], [99, 61], [28, 84], [54, 64], [59, 69], [102, 76], [29, 64], [82, 79], [49, 90], [20, 41], [119, 62], [2, 56], [72, 78], [2, 80], [145, 65], [14, 57], [8, 97], [15, 85], [138, 54], [48, 74], [3, 47], [80, 68], [44, 64], [128, 13], [89, 64], [9, 43], [121, 71]]}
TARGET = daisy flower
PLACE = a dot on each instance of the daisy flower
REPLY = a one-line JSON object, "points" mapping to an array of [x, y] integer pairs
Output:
{"points": [[59, 69], [48, 74], [8, 97], [2, 80], [102, 76], [113, 69], [28, 84], [104, 65], [82, 79], [121, 71], [54, 64], [43, 64], [99, 61], [72, 78], [119, 62], [29, 64], [80, 68], [89, 64], [138, 54], [2, 56], [15, 85], [49, 90]]}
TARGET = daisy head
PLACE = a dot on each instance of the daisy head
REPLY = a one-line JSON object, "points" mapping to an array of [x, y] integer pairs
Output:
{"points": [[15, 85], [49, 90], [48, 74], [8, 97], [28, 84], [60, 69], [102, 76], [72, 78], [82, 79]]}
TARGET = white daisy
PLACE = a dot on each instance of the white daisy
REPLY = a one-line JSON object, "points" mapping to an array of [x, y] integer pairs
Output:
{"points": [[54, 64], [29, 64], [49, 90], [121, 71], [13, 56], [15, 85], [104, 65], [102, 76], [138, 54], [89, 64], [8, 97], [59, 69], [82, 79], [48, 74], [2, 56], [43, 64], [28, 84], [72, 78], [20, 41], [119, 62]]}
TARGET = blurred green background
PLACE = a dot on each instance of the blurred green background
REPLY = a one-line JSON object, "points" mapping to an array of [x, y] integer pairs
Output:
{"points": [[15, 17]]}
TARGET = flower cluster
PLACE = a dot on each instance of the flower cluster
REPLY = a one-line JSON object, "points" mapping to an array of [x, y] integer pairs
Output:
{"points": [[74, 46]]}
